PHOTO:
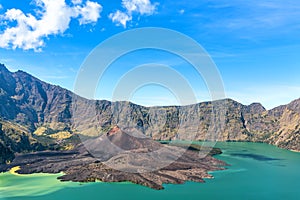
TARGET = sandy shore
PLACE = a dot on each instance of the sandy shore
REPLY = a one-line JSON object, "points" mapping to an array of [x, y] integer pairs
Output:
{"points": [[14, 170], [295, 151]]}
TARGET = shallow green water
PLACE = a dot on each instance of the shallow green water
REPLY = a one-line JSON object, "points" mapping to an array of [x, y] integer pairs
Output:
{"points": [[257, 171]]}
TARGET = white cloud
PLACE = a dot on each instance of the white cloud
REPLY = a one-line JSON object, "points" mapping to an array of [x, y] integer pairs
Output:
{"points": [[1, 7], [119, 17], [144, 7], [89, 13], [141, 7], [76, 1], [52, 17]]}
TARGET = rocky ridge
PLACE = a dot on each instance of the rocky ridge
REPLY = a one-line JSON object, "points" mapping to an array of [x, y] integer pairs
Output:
{"points": [[38, 116]]}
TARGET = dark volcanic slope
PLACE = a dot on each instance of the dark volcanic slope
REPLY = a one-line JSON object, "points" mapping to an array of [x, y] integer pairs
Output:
{"points": [[37, 116], [133, 163], [117, 141]]}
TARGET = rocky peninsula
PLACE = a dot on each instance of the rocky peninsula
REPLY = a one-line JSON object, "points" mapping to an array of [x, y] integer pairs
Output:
{"points": [[135, 163]]}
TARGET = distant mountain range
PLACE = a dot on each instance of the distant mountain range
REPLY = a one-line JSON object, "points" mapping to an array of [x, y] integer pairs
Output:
{"points": [[36, 116]]}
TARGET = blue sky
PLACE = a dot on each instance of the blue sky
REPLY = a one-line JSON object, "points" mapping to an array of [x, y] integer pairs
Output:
{"points": [[255, 44]]}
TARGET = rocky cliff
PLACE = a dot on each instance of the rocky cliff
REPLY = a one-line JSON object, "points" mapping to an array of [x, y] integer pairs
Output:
{"points": [[36, 115]]}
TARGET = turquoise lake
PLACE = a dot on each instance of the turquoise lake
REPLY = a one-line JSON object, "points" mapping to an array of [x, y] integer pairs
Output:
{"points": [[257, 171]]}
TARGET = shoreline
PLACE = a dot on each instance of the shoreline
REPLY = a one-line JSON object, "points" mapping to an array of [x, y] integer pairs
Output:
{"points": [[14, 170], [255, 142], [296, 151], [86, 169]]}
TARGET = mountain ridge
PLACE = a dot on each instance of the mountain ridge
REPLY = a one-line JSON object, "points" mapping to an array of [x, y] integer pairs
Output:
{"points": [[45, 82], [48, 115], [53, 85]]}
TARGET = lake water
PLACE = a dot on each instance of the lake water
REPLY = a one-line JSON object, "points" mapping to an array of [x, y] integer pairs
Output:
{"points": [[257, 171]]}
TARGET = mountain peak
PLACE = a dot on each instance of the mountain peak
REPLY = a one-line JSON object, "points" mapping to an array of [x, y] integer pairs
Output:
{"points": [[257, 107], [3, 68], [294, 105], [23, 73]]}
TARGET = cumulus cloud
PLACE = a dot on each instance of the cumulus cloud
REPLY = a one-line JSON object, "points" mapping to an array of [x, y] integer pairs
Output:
{"points": [[120, 18], [76, 1], [141, 7], [89, 13], [144, 7], [28, 31]]}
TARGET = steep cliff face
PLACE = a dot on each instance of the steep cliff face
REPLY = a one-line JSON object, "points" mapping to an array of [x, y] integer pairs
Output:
{"points": [[53, 115], [287, 134], [31, 102], [32, 113]]}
